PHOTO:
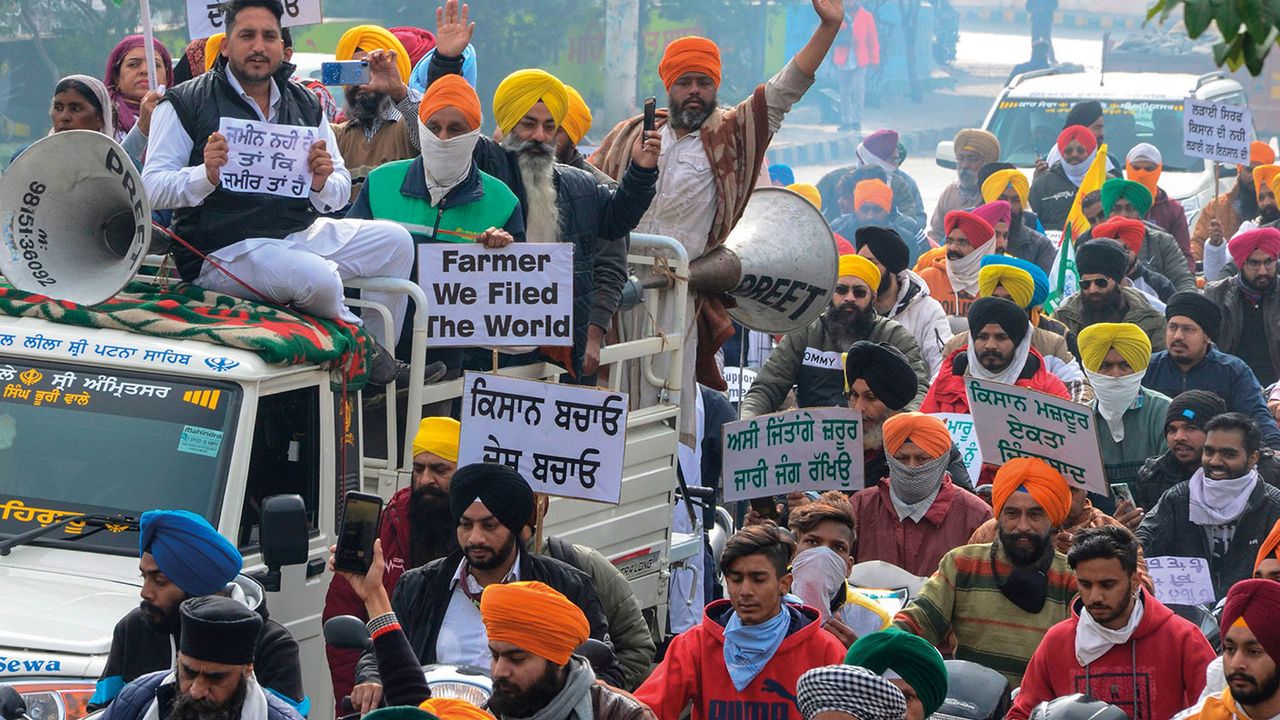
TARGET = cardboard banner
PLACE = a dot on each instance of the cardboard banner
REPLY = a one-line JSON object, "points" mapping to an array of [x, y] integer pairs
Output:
{"points": [[739, 381], [205, 17], [267, 158], [1015, 422], [816, 449], [965, 437], [1181, 580], [1217, 131], [565, 440], [519, 295]]}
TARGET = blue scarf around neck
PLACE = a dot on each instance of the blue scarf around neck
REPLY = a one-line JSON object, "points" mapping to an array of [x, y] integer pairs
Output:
{"points": [[748, 648]]}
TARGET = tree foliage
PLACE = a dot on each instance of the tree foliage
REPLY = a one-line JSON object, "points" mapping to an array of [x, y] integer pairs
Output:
{"points": [[1249, 28]]}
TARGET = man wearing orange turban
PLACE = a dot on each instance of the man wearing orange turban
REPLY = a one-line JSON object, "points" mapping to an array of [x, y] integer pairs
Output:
{"points": [[1267, 564], [1221, 217], [874, 207], [916, 515], [1020, 579]]}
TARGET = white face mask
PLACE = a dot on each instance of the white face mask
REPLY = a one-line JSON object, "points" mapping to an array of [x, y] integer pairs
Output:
{"points": [[1114, 397], [963, 273], [446, 163]]}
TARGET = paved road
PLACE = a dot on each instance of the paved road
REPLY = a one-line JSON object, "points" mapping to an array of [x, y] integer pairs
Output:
{"points": [[931, 178]]}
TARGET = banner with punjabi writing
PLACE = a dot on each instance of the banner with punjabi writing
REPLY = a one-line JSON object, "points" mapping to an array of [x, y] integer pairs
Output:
{"points": [[816, 449], [965, 437], [1015, 422]]}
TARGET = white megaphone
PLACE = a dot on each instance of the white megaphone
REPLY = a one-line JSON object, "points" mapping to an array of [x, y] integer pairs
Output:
{"points": [[75, 223]]}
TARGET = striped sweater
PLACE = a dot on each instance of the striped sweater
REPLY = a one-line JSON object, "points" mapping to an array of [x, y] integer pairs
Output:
{"points": [[963, 597]]}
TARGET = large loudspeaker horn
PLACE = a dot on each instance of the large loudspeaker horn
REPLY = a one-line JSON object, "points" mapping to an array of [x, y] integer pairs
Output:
{"points": [[779, 263], [74, 218]]}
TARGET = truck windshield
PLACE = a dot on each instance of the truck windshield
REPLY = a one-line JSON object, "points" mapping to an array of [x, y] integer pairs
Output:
{"points": [[1027, 126], [75, 442]]}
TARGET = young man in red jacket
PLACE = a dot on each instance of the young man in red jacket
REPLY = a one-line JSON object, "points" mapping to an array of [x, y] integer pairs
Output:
{"points": [[1120, 645], [745, 658]]}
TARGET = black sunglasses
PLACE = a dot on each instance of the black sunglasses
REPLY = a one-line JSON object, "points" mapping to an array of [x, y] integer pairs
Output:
{"points": [[1102, 283], [857, 291]]}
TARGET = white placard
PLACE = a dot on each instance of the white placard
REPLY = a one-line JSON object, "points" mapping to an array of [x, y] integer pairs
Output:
{"points": [[515, 296], [565, 440], [267, 158], [1217, 131], [1181, 580], [205, 17], [965, 437], [739, 381], [816, 449], [1015, 422]]}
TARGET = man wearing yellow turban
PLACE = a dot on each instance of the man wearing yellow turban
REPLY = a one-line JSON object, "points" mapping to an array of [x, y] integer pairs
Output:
{"points": [[811, 359], [1003, 181], [1019, 579], [1221, 217], [574, 127]]}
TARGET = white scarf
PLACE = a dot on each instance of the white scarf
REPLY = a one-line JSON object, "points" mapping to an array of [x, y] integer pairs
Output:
{"points": [[1113, 396], [1009, 375], [866, 157], [1093, 640], [255, 700], [963, 273], [1075, 173], [817, 573], [1220, 502], [446, 163]]}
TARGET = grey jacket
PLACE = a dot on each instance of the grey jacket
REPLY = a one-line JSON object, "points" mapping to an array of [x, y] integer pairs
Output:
{"points": [[1160, 252]]}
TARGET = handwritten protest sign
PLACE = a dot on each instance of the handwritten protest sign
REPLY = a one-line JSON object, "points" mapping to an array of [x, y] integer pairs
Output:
{"points": [[205, 17], [564, 439], [266, 157], [519, 295], [800, 450], [1217, 131], [739, 381], [965, 437], [1181, 580], [1015, 422]]}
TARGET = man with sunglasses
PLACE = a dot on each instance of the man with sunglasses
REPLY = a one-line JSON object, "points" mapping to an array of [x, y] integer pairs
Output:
{"points": [[811, 359], [1103, 264], [1250, 304]]}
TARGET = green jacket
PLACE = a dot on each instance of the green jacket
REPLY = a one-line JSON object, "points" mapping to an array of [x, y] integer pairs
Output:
{"points": [[1140, 313], [810, 360], [1143, 437], [397, 191]]}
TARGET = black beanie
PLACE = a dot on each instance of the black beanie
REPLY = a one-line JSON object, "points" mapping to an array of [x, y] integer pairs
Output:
{"points": [[1083, 113], [503, 491], [1102, 257], [1197, 407], [1011, 318], [1199, 308], [886, 371], [885, 244], [218, 629]]}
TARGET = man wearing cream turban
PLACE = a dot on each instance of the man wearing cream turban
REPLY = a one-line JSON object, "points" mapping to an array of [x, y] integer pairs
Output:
{"points": [[974, 148], [1003, 181], [1222, 216], [1019, 578], [811, 359], [917, 514]]}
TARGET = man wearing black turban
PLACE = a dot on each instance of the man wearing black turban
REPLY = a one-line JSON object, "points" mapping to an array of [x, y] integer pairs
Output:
{"points": [[1103, 264], [902, 296]]}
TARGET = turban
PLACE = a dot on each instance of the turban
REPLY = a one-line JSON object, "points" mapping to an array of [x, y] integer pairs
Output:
{"points": [[875, 192], [451, 91], [994, 186], [1196, 407], [980, 142], [686, 55], [402, 712], [781, 173], [416, 41], [1016, 280], [1270, 547], [1263, 175], [1261, 153], [1080, 133], [1266, 239], [502, 490], [861, 268], [212, 48], [521, 90], [577, 121], [370, 38], [535, 618], [1145, 151], [1257, 603], [886, 244], [1039, 279], [976, 230], [1130, 232], [886, 371], [808, 192], [1131, 190], [1200, 309], [926, 431], [1084, 113], [1127, 339], [988, 310], [882, 143], [910, 656], [1102, 257], [848, 690], [189, 551], [1038, 478], [1148, 178], [438, 435], [219, 630], [994, 213], [447, 708]]}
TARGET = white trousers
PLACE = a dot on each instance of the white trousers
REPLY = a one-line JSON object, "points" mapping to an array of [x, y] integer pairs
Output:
{"points": [[305, 269]]}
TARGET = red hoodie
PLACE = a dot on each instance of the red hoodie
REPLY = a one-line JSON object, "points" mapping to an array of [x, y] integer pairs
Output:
{"points": [[693, 670], [1165, 658], [947, 393]]}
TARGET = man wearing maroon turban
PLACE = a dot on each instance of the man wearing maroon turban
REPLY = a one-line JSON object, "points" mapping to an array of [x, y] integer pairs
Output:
{"points": [[1250, 654], [1250, 304]]}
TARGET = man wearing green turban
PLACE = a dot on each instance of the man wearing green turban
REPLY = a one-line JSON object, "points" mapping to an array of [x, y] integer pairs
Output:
{"points": [[1159, 252], [907, 661]]}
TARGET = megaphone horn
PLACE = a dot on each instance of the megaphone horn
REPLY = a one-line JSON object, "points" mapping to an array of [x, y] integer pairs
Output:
{"points": [[75, 223]]}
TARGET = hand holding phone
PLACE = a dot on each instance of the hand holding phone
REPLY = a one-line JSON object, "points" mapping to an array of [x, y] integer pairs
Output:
{"points": [[345, 72], [1121, 492], [650, 113], [360, 522]]}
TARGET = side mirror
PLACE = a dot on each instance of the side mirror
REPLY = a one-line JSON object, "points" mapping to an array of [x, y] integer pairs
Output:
{"points": [[282, 536], [347, 632], [12, 706], [945, 155]]}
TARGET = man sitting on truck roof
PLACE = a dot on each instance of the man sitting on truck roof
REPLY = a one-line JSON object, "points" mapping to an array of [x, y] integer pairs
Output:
{"points": [[183, 557]]}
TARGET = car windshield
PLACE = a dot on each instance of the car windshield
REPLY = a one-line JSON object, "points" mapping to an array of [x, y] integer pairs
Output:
{"points": [[74, 443], [1029, 127]]}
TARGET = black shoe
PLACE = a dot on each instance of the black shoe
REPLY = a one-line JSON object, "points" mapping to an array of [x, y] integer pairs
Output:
{"points": [[434, 372], [382, 366]]}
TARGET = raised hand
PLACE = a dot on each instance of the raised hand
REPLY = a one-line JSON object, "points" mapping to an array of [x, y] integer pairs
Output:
{"points": [[830, 12], [384, 75], [453, 29]]}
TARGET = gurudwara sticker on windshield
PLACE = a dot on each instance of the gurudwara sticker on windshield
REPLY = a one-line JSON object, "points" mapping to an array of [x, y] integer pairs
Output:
{"points": [[199, 441]]}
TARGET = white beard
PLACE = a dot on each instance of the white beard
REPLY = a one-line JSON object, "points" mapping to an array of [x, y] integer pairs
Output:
{"points": [[543, 222]]}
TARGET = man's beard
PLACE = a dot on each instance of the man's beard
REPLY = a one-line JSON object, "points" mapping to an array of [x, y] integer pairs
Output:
{"points": [[1269, 214], [431, 525], [1261, 692], [1015, 225], [1106, 306], [497, 556], [1117, 613], [1262, 282], [187, 708], [158, 619], [1020, 556], [968, 180], [850, 323], [364, 107], [872, 434], [245, 76], [685, 118], [537, 160], [993, 360], [508, 700]]}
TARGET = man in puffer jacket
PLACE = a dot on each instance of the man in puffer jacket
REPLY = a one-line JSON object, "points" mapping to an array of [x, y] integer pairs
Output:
{"points": [[902, 296]]}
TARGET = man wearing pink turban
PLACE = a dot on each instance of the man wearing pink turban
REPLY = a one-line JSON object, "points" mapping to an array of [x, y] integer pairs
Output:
{"points": [[1250, 304]]}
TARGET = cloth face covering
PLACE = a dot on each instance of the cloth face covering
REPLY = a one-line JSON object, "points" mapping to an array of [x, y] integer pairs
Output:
{"points": [[1115, 396], [817, 573], [446, 163], [748, 648], [1075, 173], [913, 485], [1220, 502], [963, 273]]}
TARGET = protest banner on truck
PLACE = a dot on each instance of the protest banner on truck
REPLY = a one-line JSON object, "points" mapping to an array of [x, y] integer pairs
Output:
{"points": [[815, 449], [1217, 131], [267, 158]]}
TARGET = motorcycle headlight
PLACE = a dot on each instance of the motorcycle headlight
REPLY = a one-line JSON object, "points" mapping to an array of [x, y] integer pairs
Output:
{"points": [[473, 694], [59, 700]]}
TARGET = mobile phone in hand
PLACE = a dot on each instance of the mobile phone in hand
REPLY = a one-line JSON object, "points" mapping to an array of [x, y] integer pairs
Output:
{"points": [[650, 113], [1121, 492], [360, 521], [345, 72]]}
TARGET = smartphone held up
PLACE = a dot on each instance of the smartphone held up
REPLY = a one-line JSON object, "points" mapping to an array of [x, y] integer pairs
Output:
{"points": [[360, 521]]}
